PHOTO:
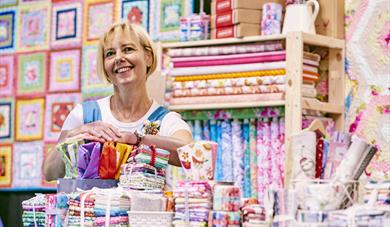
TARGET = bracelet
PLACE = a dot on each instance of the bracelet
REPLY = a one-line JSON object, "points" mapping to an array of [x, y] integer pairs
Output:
{"points": [[139, 136]]}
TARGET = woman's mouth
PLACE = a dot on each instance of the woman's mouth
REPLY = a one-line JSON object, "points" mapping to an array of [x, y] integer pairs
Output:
{"points": [[123, 69]]}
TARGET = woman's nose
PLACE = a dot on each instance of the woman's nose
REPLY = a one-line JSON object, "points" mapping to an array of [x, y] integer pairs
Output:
{"points": [[119, 57]]}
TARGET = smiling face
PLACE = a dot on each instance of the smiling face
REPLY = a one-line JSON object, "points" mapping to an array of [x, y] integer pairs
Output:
{"points": [[125, 60]]}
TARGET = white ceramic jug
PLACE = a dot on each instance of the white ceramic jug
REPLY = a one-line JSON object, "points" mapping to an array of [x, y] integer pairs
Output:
{"points": [[301, 17]]}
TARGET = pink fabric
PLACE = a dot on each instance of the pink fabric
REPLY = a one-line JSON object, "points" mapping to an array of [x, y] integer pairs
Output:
{"points": [[233, 61], [225, 57], [227, 99]]}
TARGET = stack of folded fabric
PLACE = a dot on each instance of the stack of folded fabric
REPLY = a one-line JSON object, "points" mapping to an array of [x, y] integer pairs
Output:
{"points": [[250, 72], [111, 206], [226, 206], [81, 206], [192, 203], [34, 211], [380, 192], [253, 215], [56, 208], [145, 169]]}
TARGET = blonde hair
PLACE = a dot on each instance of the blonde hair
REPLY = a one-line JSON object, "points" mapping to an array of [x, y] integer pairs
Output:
{"points": [[143, 38]]}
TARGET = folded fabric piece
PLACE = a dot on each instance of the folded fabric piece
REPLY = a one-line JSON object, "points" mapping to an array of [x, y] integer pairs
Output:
{"points": [[227, 99], [124, 151], [180, 223], [88, 157], [189, 71], [257, 89], [123, 220], [270, 57], [224, 57], [151, 155], [230, 82], [107, 164], [69, 151], [224, 50], [241, 74]]}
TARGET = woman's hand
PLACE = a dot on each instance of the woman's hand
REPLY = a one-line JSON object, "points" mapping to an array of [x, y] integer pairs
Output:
{"points": [[96, 131], [127, 138]]}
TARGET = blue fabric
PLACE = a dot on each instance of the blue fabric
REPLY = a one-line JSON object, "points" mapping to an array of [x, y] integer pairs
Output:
{"points": [[91, 112]]}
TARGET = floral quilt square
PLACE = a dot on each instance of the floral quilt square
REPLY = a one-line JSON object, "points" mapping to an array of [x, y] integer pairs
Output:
{"points": [[27, 164], [7, 65], [165, 19], [64, 70], [29, 119], [7, 30], [91, 83], [66, 28], [58, 106], [31, 78], [34, 27], [5, 165], [99, 15], [136, 12], [6, 119]]}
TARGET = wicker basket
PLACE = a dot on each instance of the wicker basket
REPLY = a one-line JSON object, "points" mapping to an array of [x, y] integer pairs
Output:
{"points": [[150, 219]]}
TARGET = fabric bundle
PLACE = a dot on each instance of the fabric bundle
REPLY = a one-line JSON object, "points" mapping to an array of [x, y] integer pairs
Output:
{"points": [[145, 169], [380, 191], [198, 158], [80, 210], [192, 203], [253, 214], [141, 201], [88, 156], [225, 218], [69, 150], [111, 207], [359, 215], [34, 211], [56, 208], [226, 198]]}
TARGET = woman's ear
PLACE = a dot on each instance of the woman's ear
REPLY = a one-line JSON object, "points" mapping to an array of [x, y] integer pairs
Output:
{"points": [[148, 58]]}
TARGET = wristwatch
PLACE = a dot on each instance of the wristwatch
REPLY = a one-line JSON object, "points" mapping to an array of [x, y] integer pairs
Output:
{"points": [[140, 135]]}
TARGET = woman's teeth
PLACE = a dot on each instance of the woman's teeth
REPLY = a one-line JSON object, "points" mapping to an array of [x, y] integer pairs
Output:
{"points": [[121, 70]]}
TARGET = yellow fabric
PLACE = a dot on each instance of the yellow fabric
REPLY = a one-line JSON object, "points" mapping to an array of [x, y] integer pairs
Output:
{"points": [[124, 151], [273, 72]]}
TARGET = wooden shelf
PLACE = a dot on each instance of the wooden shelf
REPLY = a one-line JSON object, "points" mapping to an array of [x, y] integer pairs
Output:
{"points": [[313, 104], [213, 42], [324, 41], [209, 106]]}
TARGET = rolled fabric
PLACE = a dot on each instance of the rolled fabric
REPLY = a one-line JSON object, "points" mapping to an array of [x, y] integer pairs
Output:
{"points": [[227, 156], [253, 157], [272, 11], [247, 175], [238, 154], [88, 157], [270, 27]]}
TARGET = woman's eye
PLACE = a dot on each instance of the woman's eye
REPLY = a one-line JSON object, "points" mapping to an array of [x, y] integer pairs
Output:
{"points": [[128, 49], [109, 53]]}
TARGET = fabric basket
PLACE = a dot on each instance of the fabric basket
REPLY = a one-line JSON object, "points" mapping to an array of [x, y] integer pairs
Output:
{"points": [[150, 219]]}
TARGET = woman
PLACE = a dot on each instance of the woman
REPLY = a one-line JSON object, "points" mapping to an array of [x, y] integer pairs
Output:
{"points": [[125, 58]]}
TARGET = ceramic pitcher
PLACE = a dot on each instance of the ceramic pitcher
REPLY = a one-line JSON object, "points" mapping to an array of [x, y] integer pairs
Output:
{"points": [[301, 17]]}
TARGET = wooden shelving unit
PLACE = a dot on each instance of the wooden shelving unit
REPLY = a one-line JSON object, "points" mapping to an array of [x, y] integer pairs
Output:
{"points": [[294, 103]]}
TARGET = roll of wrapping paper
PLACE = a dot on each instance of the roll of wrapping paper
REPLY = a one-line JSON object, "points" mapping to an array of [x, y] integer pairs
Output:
{"points": [[227, 155], [247, 175], [211, 76], [238, 154], [351, 160], [226, 197], [224, 218], [253, 157]]}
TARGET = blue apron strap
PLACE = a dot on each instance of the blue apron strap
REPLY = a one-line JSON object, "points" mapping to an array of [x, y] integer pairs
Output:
{"points": [[158, 114], [91, 112]]}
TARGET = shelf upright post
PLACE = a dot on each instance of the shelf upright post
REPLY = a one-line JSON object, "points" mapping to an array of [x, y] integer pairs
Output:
{"points": [[293, 108]]}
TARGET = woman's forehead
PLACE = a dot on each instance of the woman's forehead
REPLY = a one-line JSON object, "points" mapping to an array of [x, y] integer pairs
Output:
{"points": [[122, 37]]}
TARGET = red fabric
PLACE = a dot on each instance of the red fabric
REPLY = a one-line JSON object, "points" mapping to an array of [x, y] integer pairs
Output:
{"points": [[107, 164], [153, 157], [319, 154]]}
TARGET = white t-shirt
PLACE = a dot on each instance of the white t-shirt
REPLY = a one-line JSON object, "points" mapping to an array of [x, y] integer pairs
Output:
{"points": [[171, 123]]}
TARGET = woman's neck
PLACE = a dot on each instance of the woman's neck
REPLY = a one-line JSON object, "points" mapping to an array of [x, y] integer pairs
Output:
{"points": [[127, 106]]}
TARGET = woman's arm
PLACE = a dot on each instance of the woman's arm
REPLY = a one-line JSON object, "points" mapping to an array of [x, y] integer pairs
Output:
{"points": [[54, 167], [169, 143]]}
